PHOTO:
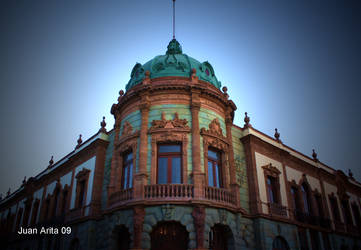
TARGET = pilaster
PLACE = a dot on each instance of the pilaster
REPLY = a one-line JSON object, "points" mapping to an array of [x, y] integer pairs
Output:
{"points": [[198, 174]]}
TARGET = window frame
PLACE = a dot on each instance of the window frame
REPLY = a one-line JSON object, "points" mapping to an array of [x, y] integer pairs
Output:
{"points": [[336, 215], [170, 156], [125, 165], [82, 177], [214, 163]]}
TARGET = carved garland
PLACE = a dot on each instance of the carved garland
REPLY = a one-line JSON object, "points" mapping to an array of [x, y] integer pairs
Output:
{"points": [[213, 137], [164, 131]]}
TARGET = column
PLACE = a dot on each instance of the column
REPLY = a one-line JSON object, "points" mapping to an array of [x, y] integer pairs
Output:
{"points": [[198, 174], [140, 178]]}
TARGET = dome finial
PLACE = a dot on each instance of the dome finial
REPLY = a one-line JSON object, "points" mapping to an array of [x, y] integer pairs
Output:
{"points": [[173, 19], [174, 47]]}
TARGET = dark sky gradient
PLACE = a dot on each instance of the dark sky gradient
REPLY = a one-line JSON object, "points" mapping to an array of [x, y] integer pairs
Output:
{"points": [[294, 65]]}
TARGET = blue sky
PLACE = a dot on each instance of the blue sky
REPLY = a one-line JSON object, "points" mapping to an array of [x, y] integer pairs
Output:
{"points": [[294, 65]]}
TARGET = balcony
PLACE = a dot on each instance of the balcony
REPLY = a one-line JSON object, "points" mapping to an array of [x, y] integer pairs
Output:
{"points": [[277, 209], [167, 192], [121, 196], [178, 193], [220, 195]]}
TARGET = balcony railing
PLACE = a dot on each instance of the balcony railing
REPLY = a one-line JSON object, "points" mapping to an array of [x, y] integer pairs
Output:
{"points": [[121, 196], [277, 209], [219, 195], [169, 191]]}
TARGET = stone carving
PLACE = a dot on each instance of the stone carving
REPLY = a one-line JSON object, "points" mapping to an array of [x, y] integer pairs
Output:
{"points": [[240, 172], [222, 216], [175, 123], [127, 128], [139, 214], [271, 170], [168, 212], [214, 128], [199, 216]]}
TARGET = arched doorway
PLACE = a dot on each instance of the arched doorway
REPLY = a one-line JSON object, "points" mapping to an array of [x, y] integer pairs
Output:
{"points": [[121, 238], [220, 238], [279, 243], [169, 236]]}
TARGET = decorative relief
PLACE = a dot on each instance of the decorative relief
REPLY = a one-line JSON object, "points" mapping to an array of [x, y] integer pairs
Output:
{"points": [[168, 212], [271, 170], [199, 216], [240, 172], [222, 216], [175, 123], [127, 129], [83, 174], [214, 128]]}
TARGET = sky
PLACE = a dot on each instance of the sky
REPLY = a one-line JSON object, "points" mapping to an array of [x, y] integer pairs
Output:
{"points": [[292, 65]]}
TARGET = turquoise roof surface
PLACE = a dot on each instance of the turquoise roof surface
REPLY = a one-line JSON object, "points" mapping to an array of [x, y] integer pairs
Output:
{"points": [[173, 63]]}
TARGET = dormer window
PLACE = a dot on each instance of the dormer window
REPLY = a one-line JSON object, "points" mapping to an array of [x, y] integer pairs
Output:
{"points": [[169, 163]]}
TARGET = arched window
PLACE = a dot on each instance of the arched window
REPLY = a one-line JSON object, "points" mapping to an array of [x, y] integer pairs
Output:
{"points": [[127, 175], [214, 168], [279, 243], [169, 163]]}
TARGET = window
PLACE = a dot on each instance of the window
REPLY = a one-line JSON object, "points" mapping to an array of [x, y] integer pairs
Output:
{"points": [[294, 194], [46, 209], [334, 208], [214, 169], [64, 201], [356, 214], [305, 198], [169, 164], [55, 203], [81, 186], [127, 175], [346, 212], [35, 212], [272, 185], [318, 200]]}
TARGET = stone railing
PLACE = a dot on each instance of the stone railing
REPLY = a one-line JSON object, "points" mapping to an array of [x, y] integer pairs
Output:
{"points": [[169, 191], [277, 209], [121, 196], [219, 195]]}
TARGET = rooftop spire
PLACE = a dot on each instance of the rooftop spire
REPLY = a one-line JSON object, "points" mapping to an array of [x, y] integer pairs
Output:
{"points": [[173, 19]]}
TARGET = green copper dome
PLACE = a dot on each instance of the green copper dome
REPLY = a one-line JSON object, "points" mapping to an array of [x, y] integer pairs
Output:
{"points": [[173, 63]]}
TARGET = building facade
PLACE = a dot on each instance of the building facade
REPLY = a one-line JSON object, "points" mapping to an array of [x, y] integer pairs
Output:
{"points": [[175, 172]]}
